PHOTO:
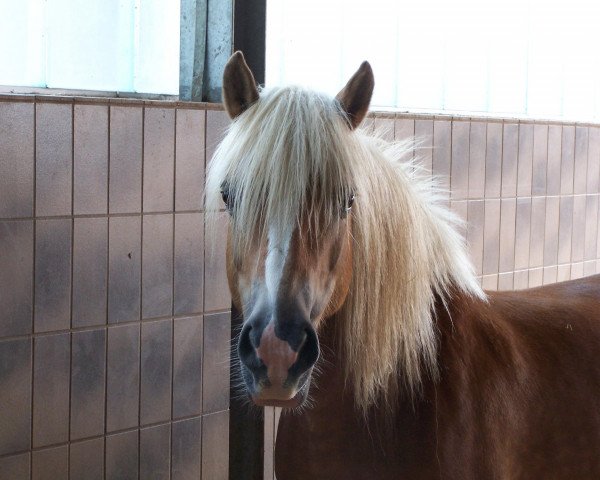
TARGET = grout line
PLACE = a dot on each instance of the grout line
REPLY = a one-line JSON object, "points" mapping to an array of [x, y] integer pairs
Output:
{"points": [[110, 215], [110, 434], [173, 291], [72, 254], [111, 326], [32, 341], [141, 295], [106, 286]]}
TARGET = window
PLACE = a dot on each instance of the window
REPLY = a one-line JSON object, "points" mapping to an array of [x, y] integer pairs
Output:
{"points": [[511, 57], [114, 45]]}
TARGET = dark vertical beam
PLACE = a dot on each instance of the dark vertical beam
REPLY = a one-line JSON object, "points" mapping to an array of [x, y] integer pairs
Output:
{"points": [[249, 34], [246, 423]]}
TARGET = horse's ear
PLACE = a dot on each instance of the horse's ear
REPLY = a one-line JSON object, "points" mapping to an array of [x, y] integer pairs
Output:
{"points": [[239, 87], [356, 95]]}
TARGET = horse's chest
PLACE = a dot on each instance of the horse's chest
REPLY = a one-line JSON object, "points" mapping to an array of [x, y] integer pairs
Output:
{"points": [[338, 446]]}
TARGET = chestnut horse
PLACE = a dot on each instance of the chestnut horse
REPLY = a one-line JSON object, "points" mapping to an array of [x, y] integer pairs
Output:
{"points": [[350, 273]]}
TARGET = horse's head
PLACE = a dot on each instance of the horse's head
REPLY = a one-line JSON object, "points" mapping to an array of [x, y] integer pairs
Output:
{"points": [[284, 176]]}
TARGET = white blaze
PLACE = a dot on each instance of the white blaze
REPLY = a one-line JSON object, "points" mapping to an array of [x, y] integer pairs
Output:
{"points": [[277, 252]]}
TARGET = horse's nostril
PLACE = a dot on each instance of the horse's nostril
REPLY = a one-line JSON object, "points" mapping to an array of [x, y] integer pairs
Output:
{"points": [[308, 353], [246, 350]]}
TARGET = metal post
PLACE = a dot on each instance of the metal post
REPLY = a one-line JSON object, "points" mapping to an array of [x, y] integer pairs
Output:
{"points": [[192, 49]]}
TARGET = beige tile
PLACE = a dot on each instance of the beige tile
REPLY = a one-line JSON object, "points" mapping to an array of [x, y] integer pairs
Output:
{"points": [[551, 231], [189, 263], [404, 129], [368, 124], [187, 366], [16, 467], [50, 463], [493, 160], [215, 446], [186, 455], [16, 152], [16, 277], [567, 159], [536, 277], [215, 363], [505, 281], [217, 123], [489, 282], [550, 274], [593, 169], [216, 288], [506, 260], [52, 354], [156, 371], [159, 151], [126, 142], [88, 359], [510, 152], [459, 181], [540, 159], [86, 460], [564, 273], [538, 225], [521, 279], [15, 377], [123, 377], [442, 152], [591, 227], [124, 270], [461, 208], [424, 142], [580, 162], [589, 268], [90, 252], [576, 270], [122, 456], [565, 229], [579, 218], [384, 128], [189, 159], [475, 233], [52, 309], [157, 265], [525, 160], [491, 237], [477, 148], [90, 159], [522, 233], [554, 167], [155, 452], [54, 158]]}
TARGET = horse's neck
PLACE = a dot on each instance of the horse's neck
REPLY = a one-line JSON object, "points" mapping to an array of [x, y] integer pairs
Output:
{"points": [[334, 433]]}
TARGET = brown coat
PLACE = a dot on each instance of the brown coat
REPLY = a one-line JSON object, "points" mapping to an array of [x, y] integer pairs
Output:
{"points": [[518, 398]]}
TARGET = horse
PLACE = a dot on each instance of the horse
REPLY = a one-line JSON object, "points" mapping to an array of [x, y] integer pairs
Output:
{"points": [[363, 318]]}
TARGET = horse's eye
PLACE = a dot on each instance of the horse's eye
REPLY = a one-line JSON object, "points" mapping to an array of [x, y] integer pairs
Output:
{"points": [[347, 205], [349, 201], [225, 196], [228, 198]]}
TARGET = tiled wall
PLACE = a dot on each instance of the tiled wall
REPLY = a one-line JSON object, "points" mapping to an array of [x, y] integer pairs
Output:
{"points": [[529, 192], [114, 327]]}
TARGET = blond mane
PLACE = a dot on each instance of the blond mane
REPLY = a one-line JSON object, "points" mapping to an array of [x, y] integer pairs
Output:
{"points": [[294, 146]]}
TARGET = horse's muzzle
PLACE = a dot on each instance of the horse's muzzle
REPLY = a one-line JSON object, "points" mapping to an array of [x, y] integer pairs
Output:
{"points": [[276, 362]]}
